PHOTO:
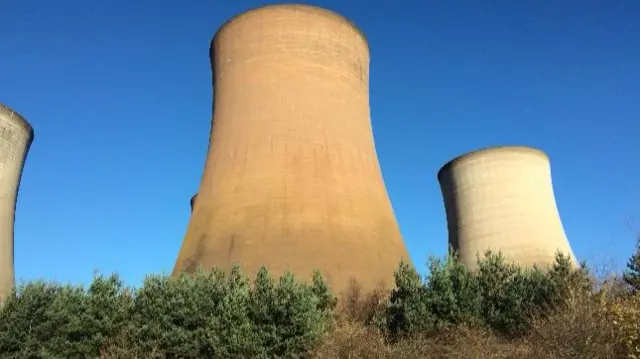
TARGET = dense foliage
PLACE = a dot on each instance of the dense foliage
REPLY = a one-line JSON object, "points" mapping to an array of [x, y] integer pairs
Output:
{"points": [[499, 295], [497, 309], [632, 274], [208, 315]]}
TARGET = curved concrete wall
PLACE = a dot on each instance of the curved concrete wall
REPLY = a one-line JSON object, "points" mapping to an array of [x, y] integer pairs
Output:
{"points": [[502, 198], [16, 136], [292, 179]]}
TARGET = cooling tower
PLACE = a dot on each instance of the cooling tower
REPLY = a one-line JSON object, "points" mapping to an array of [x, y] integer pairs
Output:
{"points": [[15, 139], [501, 198], [193, 201], [292, 179]]}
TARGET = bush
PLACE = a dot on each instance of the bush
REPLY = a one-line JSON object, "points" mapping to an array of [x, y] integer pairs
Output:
{"points": [[51, 320], [570, 315], [499, 310], [408, 309], [632, 274], [589, 325], [511, 295], [498, 295], [362, 307], [209, 314], [453, 293]]}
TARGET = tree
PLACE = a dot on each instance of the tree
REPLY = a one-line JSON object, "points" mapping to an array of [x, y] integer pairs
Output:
{"points": [[632, 274]]}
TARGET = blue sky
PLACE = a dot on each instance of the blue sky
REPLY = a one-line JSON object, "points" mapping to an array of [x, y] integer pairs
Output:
{"points": [[119, 94]]}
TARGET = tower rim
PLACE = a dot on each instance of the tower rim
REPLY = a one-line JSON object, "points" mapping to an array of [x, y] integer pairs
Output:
{"points": [[18, 119], [493, 150], [320, 10]]}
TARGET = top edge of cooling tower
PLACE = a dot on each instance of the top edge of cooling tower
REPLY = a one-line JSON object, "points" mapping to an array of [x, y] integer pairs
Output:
{"points": [[492, 150], [305, 7], [14, 116]]}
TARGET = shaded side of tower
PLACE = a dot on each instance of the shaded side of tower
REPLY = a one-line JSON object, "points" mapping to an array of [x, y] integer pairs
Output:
{"points": [[292, 180]]}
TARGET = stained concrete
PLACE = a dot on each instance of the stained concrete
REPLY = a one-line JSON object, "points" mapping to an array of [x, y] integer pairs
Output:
{"points": [[292, 178]]}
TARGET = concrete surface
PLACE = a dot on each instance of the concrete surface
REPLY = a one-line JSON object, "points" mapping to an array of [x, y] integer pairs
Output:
{"points": [[16, 136], [292, 179], [502, 198]]}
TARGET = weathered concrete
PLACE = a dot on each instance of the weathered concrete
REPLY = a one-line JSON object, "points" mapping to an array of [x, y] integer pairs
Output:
{"points": [[292, 179], [16, 136], [502, 198]]}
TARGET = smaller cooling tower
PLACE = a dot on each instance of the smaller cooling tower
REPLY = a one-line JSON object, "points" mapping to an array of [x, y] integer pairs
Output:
{"points": [[193, 201], [501, 198], [16, 136]]}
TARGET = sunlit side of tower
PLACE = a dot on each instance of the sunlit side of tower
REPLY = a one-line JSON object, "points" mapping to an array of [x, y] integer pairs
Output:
{"points": [[16, 136], [292, 179], [501, 198]]}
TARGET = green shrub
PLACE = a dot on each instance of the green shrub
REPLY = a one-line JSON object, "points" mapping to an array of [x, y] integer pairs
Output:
{"points": [[49, 320], [510, 294], [205, 315], [289, 317], [108, 305], [632, 273], [499, 295], [453, 292], [407, 311]]}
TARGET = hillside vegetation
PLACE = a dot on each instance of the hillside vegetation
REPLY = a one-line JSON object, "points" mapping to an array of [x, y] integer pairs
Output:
{"points": [[498, 311]]}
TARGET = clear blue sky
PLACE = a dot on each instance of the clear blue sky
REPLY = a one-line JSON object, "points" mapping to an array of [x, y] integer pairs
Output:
{"points": [[119, 94]]}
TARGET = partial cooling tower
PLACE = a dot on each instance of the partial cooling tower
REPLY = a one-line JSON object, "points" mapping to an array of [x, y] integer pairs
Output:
{"points": [[501, 198], [193, 201], [292, 179], [16, 136]]}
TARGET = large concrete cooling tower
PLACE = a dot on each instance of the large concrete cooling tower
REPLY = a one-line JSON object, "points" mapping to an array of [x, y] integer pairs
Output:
{"points": [[16, 136], [292, 179], [501, 198]]}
